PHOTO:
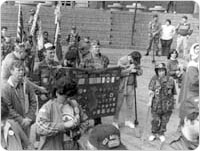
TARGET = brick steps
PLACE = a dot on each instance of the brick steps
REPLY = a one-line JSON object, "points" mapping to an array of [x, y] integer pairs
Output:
{"points": [[113, 29]]}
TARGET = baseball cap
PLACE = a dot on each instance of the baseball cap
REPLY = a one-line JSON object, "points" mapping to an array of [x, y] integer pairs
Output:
{"points": [[106, 137], [189, 106], [49, 46]]}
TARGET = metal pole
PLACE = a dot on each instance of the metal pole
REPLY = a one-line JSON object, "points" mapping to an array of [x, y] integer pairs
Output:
{"points": [[133, 25], [153, 61], [136, 120]]}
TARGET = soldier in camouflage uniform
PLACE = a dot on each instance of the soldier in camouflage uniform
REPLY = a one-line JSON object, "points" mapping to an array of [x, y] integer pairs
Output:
{"points": [[7, 47], [162, 90], [73, 37], [44, 71], [154, 35], [95, 60]]}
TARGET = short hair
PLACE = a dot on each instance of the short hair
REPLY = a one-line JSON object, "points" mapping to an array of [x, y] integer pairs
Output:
{"points": [[192, 116], [17, 64], [168, 20], [4, 27], [4, 109], [155, 16], [171, 52], [185, 17]]}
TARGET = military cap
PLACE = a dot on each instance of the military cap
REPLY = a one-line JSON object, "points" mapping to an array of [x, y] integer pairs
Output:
{"points": [[49, 46]]}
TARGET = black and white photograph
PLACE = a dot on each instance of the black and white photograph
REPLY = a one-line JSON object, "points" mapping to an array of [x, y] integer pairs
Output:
{"points": [[99, 75]]}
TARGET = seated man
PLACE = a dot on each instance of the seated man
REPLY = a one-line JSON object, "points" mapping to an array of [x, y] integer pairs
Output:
{"points": [[104, 137], [188, 136]]}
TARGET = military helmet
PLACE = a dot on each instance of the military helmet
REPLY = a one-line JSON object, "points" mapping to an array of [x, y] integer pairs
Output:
{"points": [[160, 66]]}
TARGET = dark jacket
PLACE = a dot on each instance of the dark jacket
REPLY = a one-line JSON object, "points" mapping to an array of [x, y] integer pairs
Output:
{"points": [[14, 104]]}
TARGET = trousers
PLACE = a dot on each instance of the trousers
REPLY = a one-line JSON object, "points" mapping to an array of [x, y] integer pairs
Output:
{"points": [[182, 40], [129, 97], [159, 122]]}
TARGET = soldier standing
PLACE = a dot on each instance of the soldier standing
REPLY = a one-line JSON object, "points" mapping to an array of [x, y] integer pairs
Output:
{"points": [[7, 47], [95, 60], [161, 90], [43, 70], [154, 34], [73, 37]]}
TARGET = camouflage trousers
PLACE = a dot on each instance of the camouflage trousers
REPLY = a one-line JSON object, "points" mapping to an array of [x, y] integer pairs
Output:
{"points": [[159, 122]]}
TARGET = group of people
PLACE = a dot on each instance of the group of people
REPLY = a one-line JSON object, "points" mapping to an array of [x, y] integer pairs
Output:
{"points": [[165, 34], [35, 116]]}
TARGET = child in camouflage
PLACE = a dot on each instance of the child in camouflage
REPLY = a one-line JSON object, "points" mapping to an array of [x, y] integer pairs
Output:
{"points": [[161, 90]]}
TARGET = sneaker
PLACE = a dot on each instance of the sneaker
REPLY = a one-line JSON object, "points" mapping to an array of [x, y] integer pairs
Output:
{"points": [[162, 138], [129, 124], [116, 125], [152, 138]]}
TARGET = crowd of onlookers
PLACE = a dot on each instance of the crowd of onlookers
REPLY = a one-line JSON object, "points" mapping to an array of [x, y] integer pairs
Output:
{"points": [[36, 116]]}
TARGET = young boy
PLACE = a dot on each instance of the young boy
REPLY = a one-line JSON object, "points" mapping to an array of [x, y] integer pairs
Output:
{"points": [[12, 135], [161, 90]]}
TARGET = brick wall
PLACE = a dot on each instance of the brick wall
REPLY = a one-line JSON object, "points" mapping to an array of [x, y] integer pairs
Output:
{"points": [[112, 29]]}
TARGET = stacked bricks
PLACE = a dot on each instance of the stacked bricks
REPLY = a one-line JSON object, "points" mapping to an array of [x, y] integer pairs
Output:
{"points": [[113, 29]]}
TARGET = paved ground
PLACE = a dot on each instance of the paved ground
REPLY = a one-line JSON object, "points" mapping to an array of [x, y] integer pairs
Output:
{"points": [[130, 137]]}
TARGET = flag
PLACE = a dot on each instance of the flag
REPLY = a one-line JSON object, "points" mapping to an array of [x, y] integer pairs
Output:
{"points": [[40, 40], [20, 27], [35, 20], [57, 36]]}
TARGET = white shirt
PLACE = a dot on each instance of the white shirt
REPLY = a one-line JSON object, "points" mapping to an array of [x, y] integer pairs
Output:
{"points": [[167, 32]]}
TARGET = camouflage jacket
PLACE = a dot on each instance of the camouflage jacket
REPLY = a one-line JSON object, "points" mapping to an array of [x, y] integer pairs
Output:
{"points": [[94, 62], [43, 72], [73, 38], [164, 91]]}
